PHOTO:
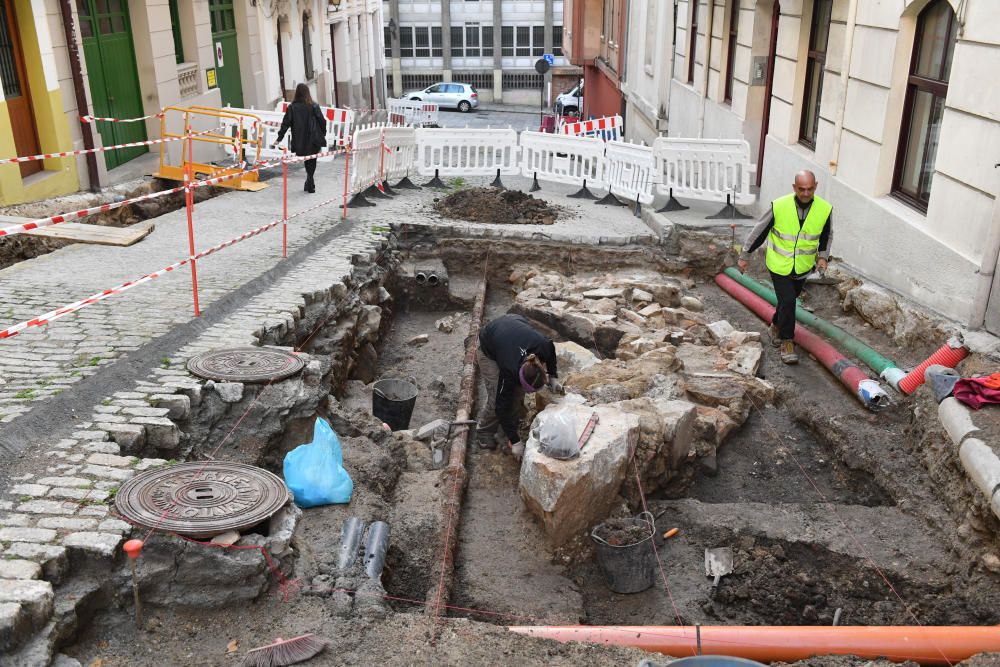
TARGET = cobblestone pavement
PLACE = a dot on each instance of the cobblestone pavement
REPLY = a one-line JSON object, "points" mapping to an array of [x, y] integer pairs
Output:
{"points": [[55, 511], [43, 361]]}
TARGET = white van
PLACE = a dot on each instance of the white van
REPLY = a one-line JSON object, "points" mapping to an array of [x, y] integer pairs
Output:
{"points": [[570, 102]]}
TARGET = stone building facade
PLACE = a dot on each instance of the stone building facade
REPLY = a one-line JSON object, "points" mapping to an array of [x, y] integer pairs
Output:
{"points": [[136, 57], [491, 44], [889, 103]]}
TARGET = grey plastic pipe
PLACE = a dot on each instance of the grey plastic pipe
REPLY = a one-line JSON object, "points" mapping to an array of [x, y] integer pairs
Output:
{"points": [[350, 541], [376, 544]]}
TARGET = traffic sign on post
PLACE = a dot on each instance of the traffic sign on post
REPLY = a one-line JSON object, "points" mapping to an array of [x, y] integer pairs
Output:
{"points": [[549, 58]]}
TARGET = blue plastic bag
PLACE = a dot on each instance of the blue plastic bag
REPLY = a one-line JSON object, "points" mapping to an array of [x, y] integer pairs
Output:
{"points": [[314, 472]]}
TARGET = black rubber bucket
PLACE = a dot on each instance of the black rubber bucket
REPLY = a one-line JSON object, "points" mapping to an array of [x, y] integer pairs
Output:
{"points": [[629, 568], [393, 400]]}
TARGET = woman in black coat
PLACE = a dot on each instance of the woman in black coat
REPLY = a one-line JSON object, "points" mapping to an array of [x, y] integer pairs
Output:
{"points": [[308, 126]]}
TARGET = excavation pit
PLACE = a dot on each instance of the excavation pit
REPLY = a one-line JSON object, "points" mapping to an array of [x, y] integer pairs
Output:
{"points": [[793, 478]]}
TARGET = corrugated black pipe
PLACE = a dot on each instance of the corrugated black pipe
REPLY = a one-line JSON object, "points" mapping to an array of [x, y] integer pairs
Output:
{"points": [[75, 66]]}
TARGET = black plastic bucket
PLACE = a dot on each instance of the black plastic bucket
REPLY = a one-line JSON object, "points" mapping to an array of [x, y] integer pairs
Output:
{"points": [[630, 568], [393, 400]]}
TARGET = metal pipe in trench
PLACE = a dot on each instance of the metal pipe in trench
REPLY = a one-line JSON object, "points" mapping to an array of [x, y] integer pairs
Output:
{"points": [[455, 476], [866, 390], [885, 367], [928, 645]]}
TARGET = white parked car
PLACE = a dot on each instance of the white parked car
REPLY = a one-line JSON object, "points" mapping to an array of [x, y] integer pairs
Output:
{"points": [[461, 96], [571, 101]]}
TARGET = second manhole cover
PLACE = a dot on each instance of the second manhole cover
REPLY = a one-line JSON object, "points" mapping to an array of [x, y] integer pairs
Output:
{"points": [[245, 364], [201, 499]]}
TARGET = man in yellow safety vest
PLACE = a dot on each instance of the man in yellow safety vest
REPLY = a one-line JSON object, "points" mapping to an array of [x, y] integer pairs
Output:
{"points": [[797, 231]]}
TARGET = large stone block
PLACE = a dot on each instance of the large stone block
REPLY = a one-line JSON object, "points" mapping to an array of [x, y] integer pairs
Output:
{"points": [[369, 322], [34, 600], [571, 496], [53, 559], [20, 569], [161, 433], [667, 435]]}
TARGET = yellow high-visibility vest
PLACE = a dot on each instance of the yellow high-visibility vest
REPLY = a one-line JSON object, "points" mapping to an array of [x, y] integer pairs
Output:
{"points": [[791, 248]]}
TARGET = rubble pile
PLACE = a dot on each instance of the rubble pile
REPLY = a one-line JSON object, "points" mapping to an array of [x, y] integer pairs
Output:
{"points": [[511, 207], [637, 347]]}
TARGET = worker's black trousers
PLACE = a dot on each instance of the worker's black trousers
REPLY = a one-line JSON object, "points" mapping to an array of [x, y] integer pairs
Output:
{"points": [[788, 290]]}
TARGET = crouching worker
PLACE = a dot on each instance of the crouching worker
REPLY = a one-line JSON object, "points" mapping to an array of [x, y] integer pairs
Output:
{"points": [[513, 359]]}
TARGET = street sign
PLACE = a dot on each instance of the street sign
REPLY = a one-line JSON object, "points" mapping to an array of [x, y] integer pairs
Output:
{"points": [[541, 65], [550, 59]]}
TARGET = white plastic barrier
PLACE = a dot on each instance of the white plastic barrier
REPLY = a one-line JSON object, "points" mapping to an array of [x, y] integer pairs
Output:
{"points": [[339, 124], [412, 112], [705, 169], [466, 152], [365, 158], [563, 159], [400, 146], [267, 132], [608, 128], [630, 171]]}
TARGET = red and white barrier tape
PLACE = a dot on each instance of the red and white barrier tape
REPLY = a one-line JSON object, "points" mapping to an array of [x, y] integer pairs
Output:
{"points": [[118, 289], [83, 213], [104, 208], [77, 305], [94, 119], [83, 151]]}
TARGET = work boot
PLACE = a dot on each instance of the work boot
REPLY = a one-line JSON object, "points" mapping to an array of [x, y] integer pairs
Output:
{"points": [[788, 354], [772, 332]]}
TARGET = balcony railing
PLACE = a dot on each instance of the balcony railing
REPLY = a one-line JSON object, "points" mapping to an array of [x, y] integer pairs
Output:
{"points": [[187, 79]]}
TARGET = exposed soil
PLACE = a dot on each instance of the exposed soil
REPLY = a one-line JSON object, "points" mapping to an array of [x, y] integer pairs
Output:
{"points": [[808, 493], [621, 532], [508, 207], [14, 249]]}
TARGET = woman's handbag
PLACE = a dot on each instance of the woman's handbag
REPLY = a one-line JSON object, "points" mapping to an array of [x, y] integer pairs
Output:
{"points": [[317, 129]]}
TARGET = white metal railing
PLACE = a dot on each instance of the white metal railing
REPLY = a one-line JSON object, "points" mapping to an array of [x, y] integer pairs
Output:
{"points": [[187, 79]]}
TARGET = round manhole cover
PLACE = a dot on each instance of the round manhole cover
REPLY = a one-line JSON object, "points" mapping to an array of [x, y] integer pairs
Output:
{"points": [[245, 364], [201, 499]]}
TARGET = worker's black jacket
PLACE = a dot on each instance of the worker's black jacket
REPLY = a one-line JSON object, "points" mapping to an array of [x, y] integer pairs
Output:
{"points": [[308, 128], [508, 340]]}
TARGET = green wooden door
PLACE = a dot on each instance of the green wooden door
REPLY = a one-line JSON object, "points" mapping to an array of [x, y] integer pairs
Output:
{"points": [[114, 80], [224, 43]]}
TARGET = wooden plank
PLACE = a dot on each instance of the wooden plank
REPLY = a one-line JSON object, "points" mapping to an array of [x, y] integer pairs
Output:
{"points": [[83, 233]]}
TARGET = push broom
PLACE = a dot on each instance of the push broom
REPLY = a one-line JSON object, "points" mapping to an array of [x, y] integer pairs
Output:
{"points": [[285, 651]]}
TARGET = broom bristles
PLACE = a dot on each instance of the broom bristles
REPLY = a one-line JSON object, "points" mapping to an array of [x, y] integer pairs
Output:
{"points": [[285, 651]]}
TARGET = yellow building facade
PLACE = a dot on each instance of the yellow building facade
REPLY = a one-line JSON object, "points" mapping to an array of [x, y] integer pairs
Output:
{"points": [[33, 116]]}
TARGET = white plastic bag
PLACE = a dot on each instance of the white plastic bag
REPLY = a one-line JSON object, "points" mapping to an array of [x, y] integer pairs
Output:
{"points": [[557, 434]]}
